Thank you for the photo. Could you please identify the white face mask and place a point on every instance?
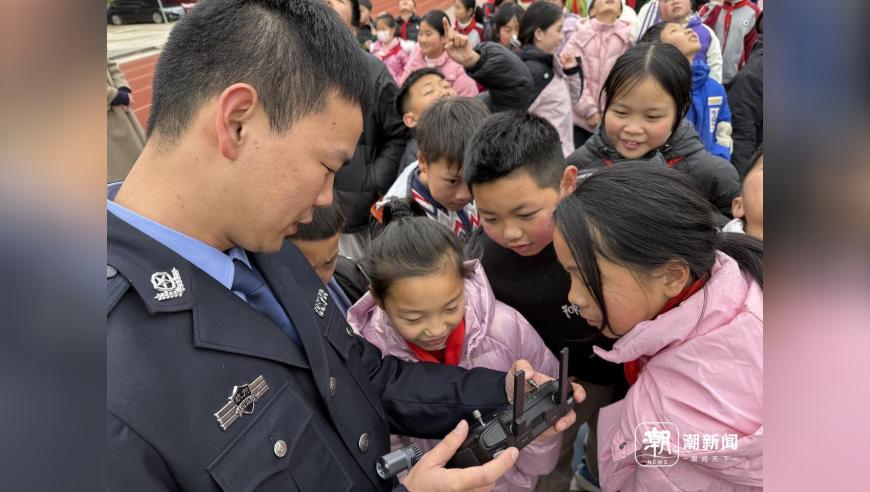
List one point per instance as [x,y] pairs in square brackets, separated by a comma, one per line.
[384,36]
[515,41]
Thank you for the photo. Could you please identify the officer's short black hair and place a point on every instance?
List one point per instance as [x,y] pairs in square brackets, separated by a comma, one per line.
[512,140]
[295,53]
[753,163]
[446,126]
[404,95]
[327,223]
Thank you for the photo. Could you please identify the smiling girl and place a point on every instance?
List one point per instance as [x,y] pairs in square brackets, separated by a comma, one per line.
[646,97]
[430,53]
[426,305]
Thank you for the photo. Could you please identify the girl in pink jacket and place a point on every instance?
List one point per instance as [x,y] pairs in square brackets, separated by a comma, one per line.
[649,268]
[598,41]
[425,304]
[557,83]
[430,53]
[387,48]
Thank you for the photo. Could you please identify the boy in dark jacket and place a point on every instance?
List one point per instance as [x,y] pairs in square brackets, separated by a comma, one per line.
[407,22]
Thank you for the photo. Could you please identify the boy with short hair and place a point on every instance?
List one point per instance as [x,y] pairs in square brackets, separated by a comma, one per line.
[517,174]
[435,180]
[318,242]
[748,206]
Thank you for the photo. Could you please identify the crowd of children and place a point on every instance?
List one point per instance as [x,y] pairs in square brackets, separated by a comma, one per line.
[570,179]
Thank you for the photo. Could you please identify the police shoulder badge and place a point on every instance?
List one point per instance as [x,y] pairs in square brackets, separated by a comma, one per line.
[241,402]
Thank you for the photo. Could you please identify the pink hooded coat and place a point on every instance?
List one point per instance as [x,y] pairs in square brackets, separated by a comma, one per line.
[702,371]
[452,71]
[395,62]
[495,337]
[598,45]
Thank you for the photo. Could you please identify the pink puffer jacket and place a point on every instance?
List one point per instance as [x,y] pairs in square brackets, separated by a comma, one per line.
[452,71]
[496,336]
[702,375]
[598,45]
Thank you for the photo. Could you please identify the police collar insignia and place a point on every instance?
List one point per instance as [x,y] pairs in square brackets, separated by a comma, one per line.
[241,402]
[321,302]
[168,286]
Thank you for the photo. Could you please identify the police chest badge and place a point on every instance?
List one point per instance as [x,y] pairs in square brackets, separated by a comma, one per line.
[241,402]
[167,286]
[321,302]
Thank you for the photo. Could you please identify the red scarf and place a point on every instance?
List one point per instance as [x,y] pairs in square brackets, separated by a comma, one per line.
[392,52]
[465,30]
[450,354]
[632,368]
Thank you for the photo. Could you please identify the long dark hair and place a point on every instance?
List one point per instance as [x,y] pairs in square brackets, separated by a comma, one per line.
[642,216]
[476,12]
[664,63]
[410,246]
[540,15]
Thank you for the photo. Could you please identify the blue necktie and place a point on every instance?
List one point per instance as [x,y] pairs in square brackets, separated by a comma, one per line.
[260,297]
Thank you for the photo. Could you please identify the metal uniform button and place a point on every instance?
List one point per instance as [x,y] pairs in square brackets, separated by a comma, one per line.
[280,448]
[110,271]
[621,446]
[364,442]
[349,330]
[333,386]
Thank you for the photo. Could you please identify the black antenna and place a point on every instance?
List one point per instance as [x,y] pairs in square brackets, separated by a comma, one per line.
[563,375]
[519,422]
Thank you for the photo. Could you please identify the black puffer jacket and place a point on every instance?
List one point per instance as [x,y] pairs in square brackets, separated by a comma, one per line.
[375,164]
[504,75]
[715,177]
[746,99]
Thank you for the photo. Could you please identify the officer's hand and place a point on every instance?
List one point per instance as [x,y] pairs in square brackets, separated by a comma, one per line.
[429,473]
[563,423]
[457,46]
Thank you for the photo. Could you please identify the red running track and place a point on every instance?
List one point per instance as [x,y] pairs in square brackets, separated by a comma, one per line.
[140,73]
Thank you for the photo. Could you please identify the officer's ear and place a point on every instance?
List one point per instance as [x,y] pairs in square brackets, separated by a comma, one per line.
[236,108]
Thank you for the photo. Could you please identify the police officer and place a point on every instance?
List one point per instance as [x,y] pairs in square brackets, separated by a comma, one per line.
[229,367]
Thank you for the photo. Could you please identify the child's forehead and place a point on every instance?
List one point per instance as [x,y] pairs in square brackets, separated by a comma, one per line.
[426,81]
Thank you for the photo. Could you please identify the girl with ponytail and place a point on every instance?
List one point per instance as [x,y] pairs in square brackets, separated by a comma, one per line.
[649,267]
[425,304]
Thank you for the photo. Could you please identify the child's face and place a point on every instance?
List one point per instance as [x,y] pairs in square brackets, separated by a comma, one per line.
[675,10]
[406,6]
[462,14]
[365,15]
[641,119]
[517,213]
[445,182]
[321,255]
[548,40]
[385,32]
[507,32]
[749,206]
[606,8]
[424,92]
[425,310]
[630,297]
[684,38]
[430,41]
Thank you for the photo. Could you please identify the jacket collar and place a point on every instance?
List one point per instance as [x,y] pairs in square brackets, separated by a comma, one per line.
[714,306]
[221,320]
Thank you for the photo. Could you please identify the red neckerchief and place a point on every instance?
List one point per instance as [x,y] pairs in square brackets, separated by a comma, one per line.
[404,30]
[464,31]
[632,368]
[392,52]
[450,354]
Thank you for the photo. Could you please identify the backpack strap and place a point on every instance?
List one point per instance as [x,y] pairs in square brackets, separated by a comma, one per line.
[117,286]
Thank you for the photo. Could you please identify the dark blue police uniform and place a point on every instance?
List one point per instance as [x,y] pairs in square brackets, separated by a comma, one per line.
[173,362]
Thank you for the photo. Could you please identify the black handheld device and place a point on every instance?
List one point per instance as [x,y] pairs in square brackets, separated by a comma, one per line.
[519,423]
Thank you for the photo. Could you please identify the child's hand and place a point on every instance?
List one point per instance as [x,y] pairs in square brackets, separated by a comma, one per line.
[568,62]
[563,423]
[457,46]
